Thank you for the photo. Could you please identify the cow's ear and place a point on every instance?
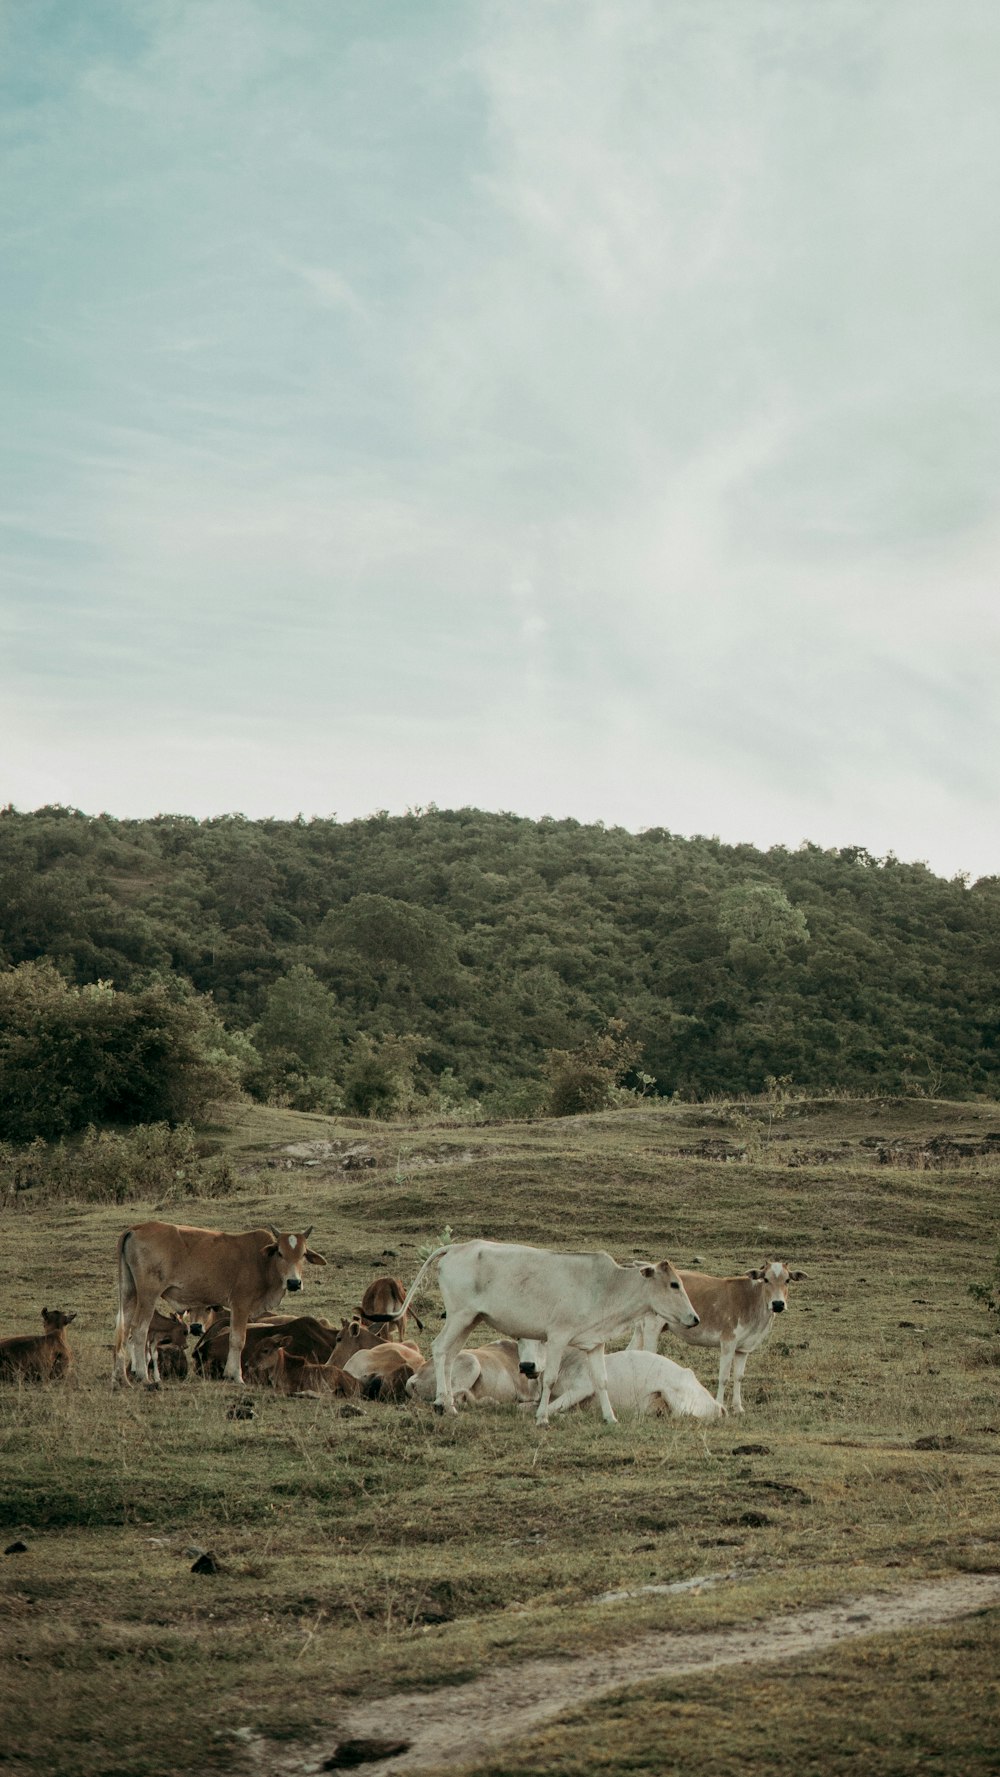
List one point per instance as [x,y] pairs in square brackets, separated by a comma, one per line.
[797,1276]
[756,1275]
[70,1317]
[270,1252]
[314,1258]
[648,1270]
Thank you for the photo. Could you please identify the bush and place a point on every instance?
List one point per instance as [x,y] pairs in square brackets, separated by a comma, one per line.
[75,1056]
[107,1166]
[585,1079]
[379,1077]
[988,1293]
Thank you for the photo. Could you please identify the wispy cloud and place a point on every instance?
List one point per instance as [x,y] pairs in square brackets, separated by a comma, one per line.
[576,409]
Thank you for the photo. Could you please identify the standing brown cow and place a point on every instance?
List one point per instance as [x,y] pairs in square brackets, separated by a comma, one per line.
[735,1315]
[197,1268]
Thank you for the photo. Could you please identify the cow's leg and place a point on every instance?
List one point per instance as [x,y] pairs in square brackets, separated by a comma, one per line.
[444,1350]
[137,1339]
[581,1391]
[154,1363]
[555,1351]
[647,1333]
[726,1355]
[599,1372]
[739,1365]
[119,1375]
[237,1340]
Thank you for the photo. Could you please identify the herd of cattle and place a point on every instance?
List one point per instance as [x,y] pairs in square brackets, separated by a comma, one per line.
[557,1313]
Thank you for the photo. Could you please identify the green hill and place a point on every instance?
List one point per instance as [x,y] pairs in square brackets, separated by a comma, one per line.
[438,958]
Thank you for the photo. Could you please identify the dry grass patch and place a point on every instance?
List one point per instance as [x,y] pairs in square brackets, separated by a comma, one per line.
[362,1554]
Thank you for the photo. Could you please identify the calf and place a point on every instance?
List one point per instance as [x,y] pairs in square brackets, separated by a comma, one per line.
[38,1357]
[385,1370]
[292,1375]
[638,1382]
[166,1346]
[198,1268]
[484,1373]
[579,1300]
[301,1334]
[735,1315]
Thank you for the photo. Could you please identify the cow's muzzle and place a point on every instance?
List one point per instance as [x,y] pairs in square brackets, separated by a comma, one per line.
[529,1370]
[293,1284]
[777,1307]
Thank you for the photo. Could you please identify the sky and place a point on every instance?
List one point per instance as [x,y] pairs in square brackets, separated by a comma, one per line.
[572,407]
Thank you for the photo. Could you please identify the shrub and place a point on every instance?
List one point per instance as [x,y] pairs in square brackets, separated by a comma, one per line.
[75,1056]
[585,1079]
[108,1166]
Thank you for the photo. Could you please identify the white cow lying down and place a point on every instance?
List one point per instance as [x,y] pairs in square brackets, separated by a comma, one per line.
[638,1382]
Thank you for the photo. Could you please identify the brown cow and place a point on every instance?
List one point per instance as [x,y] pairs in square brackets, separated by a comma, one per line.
[384,1371]
[166,1347]
[380,1306]
[302,1333]
[482,1373]
[198,1268]
[290,1375]
[735,1315]
[301,1336]
[38,1357]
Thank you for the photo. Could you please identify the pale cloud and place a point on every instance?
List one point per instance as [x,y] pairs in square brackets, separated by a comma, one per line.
[576,409]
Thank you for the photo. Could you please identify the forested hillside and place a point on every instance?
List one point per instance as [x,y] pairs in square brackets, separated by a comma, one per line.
[443,955]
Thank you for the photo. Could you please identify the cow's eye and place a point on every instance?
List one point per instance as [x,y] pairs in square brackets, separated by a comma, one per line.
[675,1286]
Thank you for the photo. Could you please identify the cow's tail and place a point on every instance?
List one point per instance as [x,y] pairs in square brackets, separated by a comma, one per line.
[411,1292]
[127,1294]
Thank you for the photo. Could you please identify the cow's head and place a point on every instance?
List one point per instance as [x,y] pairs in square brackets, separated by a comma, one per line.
[353,1336]
[668,1297]
[54,1319]
[530,1357]
[286,1256]
[776,1280]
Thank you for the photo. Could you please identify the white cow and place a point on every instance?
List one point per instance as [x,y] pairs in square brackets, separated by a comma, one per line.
[735,1314]
[578,1300]
[638,1382]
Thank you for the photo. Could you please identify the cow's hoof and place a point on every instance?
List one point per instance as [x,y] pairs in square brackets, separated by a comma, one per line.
[152,1388]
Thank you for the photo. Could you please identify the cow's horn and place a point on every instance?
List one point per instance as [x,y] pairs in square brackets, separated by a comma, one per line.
[274,1230]
[307,1231]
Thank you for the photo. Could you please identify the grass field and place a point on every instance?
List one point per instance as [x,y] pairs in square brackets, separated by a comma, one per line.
[365,1554]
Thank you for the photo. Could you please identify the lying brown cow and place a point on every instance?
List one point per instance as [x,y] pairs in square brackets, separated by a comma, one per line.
[198,1268]
[301,1336]
[297,1375]
[380,1305]
[482,1373]
[38,1357]
[385,1370]
[304,1334]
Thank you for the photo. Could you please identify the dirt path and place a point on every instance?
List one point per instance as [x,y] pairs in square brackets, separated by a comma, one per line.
[468,1723]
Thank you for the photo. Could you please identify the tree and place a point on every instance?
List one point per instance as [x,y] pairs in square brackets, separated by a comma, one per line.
[583,1079]
[72,1056]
